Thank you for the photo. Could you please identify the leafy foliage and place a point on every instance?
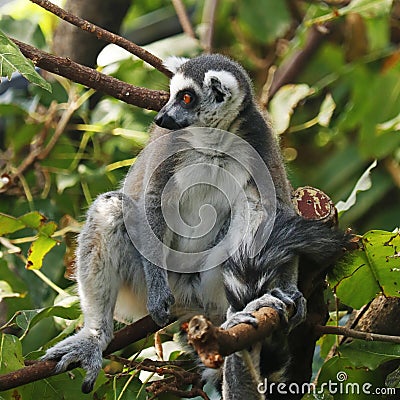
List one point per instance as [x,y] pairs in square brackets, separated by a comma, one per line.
[11,60]
[375,268]
[59,150]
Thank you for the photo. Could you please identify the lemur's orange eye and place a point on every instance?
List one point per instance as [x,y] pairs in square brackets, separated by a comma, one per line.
[187,98]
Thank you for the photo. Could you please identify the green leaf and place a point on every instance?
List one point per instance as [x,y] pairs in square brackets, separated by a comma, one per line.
[65,386]
[284,102]
[11,360]
[12,60]
[368,354]
[9,224]
[48,228]
[26,319]
[346,380]
[375,269]
[364,183]
[326,111]
[10,354]
[33,219]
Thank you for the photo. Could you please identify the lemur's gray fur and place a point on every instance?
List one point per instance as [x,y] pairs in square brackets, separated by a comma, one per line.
[111,271]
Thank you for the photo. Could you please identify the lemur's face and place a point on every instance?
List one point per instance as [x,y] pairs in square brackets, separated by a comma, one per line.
[213,102]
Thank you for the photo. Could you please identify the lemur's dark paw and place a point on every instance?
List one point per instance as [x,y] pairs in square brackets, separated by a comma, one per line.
[296,306]
[158,306]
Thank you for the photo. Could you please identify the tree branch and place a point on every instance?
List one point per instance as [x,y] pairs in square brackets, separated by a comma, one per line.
[105,35]
[212,343]
[43,369]
[343,331]
[137,96]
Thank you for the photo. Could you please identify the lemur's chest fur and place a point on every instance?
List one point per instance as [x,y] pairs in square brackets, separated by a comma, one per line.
[207,183]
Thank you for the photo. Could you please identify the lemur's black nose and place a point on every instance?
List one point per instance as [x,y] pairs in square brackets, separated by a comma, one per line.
[165,121]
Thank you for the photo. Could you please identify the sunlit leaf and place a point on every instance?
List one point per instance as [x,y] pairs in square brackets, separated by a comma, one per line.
[326,111]
[12,60]
[364,183]
[39,248]
[65,181]
[6,291]
[284,102]
[33,219]
[9,224]
[366,8]
[391,125]
[372,270]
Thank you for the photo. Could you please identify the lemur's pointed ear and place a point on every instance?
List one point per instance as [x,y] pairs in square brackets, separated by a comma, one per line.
[173,63]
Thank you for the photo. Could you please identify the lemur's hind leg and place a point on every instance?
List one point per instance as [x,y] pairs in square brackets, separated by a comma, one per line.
[103,260]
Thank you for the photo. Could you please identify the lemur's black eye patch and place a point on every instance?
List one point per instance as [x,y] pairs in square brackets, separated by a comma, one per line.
[187,98]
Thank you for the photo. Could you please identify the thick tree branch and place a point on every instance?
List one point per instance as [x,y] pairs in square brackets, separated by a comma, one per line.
[212,343]
[105,35]
[137,96]
[355,334]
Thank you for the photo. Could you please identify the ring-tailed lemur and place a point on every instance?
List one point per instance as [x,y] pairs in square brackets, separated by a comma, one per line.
[114,275]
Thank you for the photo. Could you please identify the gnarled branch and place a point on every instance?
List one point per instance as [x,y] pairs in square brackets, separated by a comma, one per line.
[137,96]
[103,34]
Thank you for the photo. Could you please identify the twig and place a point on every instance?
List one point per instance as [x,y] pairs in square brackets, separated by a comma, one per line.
[37,145]
[343,331]
[180,378]
[183,18]
[154,363]
[137,96]
[212,343]
[210,7]
[72,105]
[44,369]
[105,35]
